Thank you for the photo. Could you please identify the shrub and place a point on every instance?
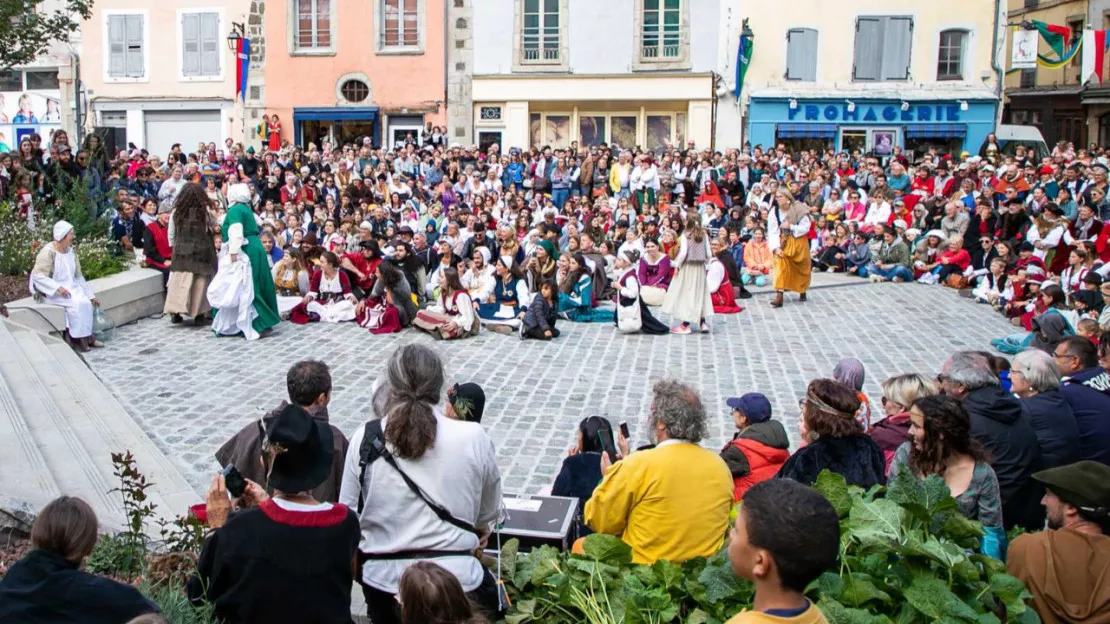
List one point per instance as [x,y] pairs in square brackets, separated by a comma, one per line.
[907,555]
[174,605]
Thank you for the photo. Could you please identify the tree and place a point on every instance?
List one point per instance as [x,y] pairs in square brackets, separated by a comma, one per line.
[27,28]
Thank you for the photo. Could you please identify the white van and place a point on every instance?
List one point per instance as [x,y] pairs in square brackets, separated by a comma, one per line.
[1010,136]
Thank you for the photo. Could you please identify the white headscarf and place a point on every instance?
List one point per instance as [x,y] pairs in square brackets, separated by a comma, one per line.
[485,254]
[239,194]
[61,229]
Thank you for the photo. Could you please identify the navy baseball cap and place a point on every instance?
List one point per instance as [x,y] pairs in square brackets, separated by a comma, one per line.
[753,405]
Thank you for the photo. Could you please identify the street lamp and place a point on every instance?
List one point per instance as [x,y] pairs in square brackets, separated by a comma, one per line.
[236,34]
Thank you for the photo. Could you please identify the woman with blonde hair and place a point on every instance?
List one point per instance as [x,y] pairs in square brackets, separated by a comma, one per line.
[688,298]
[788,226]
[899,393]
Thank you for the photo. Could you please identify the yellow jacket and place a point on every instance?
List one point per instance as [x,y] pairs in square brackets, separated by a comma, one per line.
[812,615]
[670,502]
[615,176]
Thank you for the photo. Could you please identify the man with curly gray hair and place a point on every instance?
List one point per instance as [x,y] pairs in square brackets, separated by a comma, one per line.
[671,501]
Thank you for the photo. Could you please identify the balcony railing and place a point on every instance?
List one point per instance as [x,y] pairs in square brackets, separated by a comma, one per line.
[657,51]
[536,55]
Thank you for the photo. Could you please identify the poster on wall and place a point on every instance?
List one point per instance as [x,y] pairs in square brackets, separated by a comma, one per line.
[23,113]
[1024,53]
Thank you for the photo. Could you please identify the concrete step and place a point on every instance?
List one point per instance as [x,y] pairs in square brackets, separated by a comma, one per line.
[70,425]
[29,479]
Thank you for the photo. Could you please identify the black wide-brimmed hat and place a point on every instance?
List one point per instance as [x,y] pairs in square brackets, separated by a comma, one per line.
[305,448]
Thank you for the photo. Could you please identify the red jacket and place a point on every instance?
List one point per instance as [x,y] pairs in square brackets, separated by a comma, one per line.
[755,455]
[161,251]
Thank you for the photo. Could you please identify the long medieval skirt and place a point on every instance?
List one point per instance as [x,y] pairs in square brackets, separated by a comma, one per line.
[792,268]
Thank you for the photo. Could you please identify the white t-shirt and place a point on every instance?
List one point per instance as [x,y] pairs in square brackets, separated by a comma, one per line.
[459,473]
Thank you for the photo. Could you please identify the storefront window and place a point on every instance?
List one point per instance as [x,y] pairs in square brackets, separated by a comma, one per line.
[795,145]
[919,146]
[1104,129]
[624,131]
[660,133]
[852,140]
[592,129]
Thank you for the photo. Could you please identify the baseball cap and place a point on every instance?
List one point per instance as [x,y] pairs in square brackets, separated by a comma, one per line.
[753,405]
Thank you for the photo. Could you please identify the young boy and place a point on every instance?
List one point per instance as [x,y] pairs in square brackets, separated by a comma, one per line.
[785,536]
[759,448]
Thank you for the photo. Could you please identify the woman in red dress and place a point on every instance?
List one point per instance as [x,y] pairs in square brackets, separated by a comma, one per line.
[273,130]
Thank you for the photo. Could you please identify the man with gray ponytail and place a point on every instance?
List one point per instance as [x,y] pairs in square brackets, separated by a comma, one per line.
[427,487]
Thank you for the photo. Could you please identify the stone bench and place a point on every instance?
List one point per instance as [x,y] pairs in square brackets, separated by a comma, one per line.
[126,297]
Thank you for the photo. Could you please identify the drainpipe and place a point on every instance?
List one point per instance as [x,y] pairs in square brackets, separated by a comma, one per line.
[713,113]
[998,70]
[446,68]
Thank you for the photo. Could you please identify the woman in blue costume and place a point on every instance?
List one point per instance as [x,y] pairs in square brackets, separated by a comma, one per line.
[576,294]
[240,236]
[510,298]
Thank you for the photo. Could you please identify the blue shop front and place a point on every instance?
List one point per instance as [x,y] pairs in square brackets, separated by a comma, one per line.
[871,125]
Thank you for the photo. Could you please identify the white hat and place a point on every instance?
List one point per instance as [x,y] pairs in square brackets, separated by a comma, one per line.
[899,224]
[239,194]
[61,229]
[365,225]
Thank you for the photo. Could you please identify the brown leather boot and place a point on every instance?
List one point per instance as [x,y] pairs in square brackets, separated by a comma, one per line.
[777,302]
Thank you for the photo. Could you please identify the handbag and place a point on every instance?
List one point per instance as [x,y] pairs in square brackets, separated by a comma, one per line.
[629,320]
[957,281]
[103,325]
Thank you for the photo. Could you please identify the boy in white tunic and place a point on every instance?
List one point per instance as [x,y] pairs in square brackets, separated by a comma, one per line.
[57,279]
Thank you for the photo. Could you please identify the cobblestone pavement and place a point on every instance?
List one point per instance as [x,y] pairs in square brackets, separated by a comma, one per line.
[191,391]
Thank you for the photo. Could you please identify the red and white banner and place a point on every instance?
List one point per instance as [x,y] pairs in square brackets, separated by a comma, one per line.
[1094,55]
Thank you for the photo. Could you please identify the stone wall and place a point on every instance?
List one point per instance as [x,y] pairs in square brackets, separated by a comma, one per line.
[460,71]
[256,76]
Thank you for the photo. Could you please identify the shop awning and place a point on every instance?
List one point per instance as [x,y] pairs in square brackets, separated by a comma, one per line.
[805,131]
[936,131]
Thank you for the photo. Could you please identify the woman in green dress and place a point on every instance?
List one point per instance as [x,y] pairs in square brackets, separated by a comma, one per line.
[240,236]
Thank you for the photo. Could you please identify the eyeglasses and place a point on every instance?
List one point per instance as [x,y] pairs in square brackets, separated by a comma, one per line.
[1063,355]
[942,378]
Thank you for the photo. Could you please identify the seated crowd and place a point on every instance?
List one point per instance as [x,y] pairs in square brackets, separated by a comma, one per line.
[407,505]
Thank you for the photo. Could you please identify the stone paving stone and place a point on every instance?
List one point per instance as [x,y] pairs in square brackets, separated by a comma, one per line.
[191,391]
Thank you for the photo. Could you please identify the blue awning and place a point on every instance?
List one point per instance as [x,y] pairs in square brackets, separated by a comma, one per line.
[936,131]
[805,131]
[336,113]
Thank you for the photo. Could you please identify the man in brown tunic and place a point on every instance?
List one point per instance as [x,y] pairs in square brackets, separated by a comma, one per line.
[1067,566]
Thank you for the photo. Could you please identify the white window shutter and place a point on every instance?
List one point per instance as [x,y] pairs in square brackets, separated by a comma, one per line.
[134,41]
[209,44]
[190,39]
[801,54]
[868,48]
[117,47]
[897,41]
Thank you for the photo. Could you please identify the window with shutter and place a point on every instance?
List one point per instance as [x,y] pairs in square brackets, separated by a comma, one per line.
[210,44]
[133,31]
[190,44]
[867,62]
[897,39]
[882,48]
[117,47]
[801,54]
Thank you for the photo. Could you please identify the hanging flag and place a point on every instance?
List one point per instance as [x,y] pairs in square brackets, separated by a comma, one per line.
[1057,37]
[1094,54]
[242,66]
[743,58]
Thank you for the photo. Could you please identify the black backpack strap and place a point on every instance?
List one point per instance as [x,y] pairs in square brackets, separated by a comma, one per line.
[372,448]
[369,451]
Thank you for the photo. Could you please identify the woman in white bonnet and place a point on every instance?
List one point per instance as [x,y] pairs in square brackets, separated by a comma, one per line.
[57,279]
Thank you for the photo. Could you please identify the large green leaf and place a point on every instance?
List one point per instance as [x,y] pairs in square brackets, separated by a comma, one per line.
[697,616]
[876,524]
[607,548]
[1011,591]
[837,613]
[835,488]
[860,589]
[934,600]
[946,554]
[667,573]
[719,580]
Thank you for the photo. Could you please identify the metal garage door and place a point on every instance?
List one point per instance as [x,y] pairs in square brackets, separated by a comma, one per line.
[164,128]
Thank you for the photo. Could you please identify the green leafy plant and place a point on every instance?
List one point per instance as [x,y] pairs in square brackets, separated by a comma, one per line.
[114,555]
[907,555]
[137,508]
[174,604]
